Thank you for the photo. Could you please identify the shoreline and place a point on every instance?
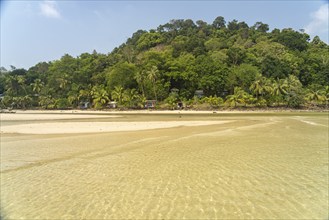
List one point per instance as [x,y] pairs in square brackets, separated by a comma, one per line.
[157,111]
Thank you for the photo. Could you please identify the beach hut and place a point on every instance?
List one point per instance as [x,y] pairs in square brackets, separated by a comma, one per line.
[112,104]
[150,103]
[199,93]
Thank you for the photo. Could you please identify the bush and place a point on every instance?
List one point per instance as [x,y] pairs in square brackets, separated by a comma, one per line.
[172,100]
[214,102]
[62,103]
[295,99]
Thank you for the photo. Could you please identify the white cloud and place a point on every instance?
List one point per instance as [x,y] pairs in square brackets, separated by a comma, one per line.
[49,9]
[319,22]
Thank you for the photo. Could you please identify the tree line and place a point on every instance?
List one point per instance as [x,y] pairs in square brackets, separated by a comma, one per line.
[233,64]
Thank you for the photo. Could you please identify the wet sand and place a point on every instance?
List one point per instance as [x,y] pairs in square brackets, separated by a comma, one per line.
[250,166]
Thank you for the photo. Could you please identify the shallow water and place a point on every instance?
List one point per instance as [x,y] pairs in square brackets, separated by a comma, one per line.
[264,166]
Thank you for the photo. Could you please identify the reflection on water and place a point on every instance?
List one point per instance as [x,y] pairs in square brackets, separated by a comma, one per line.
[260,167]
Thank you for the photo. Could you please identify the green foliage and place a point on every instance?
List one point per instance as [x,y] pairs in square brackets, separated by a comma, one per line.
[62,103]
[295,99]
[47,102]
[131,98]
[213,101]
[148,40]
[117,94]
[226,60]
[122,74]
[100,96]
[293,39]
[243,76]
[219,22]
[172,100]
[239,97]
[235,55]
[260,87]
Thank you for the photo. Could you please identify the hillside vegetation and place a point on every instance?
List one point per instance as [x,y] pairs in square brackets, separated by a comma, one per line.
[232,63]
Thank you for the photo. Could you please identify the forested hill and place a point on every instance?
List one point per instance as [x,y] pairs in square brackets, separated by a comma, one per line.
[234,64]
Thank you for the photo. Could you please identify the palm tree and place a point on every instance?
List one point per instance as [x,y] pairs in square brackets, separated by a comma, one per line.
[46,101]
[130,97]
[293,83]
[152,75]
[100,97]
[25,101]
[139,77]
[63,81]
[141,100]
[37,86]
[117,94]
[86,94]
[325,93]
[279,89]
[260,86]
[315,96]
[239,97]
[22,85]
[12,84]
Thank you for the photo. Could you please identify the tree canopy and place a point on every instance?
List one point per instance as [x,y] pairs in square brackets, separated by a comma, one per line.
[226,60]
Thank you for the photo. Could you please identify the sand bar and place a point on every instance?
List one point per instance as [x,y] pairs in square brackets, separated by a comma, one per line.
[33,117]
[96,127]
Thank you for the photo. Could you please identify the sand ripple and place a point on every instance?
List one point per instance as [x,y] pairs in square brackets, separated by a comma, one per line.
[262,168]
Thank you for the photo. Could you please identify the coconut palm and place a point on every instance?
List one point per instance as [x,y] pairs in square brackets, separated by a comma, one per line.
[279,89]
[325,93]
[21,101]
[26,101]
[152,75]
[37,86]
[86,93]
[260,86]
[12,84]
[117,94]
[315,96]
[141,101]
[130,97]
[22,85]
[293,83]
[238,97]
[46,101]
[100,97]
[139,77]
[63,81]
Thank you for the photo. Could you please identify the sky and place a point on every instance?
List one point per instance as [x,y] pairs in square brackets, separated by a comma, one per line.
[37,31]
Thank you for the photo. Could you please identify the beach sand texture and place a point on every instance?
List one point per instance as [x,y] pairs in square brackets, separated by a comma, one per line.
[226,167]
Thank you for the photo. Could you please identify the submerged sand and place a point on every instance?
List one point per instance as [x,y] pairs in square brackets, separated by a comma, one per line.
[254,167]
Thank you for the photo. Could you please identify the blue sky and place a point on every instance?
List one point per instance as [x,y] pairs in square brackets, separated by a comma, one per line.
[35,31]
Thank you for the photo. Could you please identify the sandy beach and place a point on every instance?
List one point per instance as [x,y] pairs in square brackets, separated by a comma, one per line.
[163,166]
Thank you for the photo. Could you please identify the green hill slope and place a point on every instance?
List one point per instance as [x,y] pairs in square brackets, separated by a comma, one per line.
[230,63]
